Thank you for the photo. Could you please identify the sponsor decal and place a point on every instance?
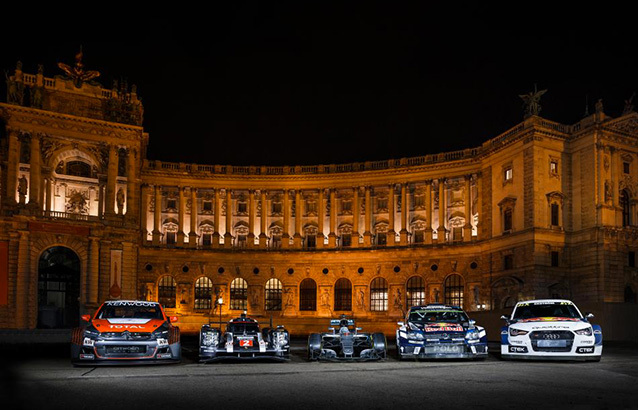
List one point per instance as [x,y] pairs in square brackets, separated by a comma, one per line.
[549,327]
[130,303]
[585,349]
[518,349]
[126,327]
[443,327]
[245,342]
[550,319]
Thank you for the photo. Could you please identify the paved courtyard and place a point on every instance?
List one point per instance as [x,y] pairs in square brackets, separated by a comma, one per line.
[48,380]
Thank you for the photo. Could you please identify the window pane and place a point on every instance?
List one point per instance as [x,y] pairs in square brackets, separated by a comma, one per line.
[166,290]
[454,290]
[308,295]
[379,295]
[343,294]
[415,291]
[203,290]
[273,294]
[238,294]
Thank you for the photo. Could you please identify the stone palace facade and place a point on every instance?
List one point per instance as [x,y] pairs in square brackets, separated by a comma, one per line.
[542,210]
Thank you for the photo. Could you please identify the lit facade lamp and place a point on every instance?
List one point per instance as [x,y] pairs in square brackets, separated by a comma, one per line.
[219,302]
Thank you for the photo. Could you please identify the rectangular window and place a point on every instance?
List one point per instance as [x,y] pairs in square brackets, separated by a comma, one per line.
[382,238]
[171,203]
[170,238]
[554,257]
[346,240]
[419,237]
[507,174]
[207,239]
[276,208]
[346,207]
[207,206]
[419,201]
[311,241]
[382,204]
[553,167]
[554,217]
[507,221]
[508,262]
[631,259]
[311,207]
[625,167]
[242,208]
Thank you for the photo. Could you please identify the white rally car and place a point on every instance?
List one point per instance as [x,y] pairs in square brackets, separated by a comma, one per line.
[550,329]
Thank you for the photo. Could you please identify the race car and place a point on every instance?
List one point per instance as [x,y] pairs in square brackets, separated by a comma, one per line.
[126,332]
[243,340]
[550,329]
[344,342]
[438,331]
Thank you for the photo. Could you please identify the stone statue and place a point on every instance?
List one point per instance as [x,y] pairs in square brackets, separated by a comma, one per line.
[120,201]
[290,297]
[476,295]
[629,106]
[22,188]
[531,102]
[608,194]
[325,299]
[77,73]
[36,97]
[436,295]
[398,299]
[254,298]
[361,299]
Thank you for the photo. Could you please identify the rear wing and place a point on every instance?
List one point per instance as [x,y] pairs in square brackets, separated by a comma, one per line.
[337,322]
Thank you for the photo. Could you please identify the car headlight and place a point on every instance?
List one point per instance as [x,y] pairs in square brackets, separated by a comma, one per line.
[584,332]
[472,335]
[517,332]
[280,339]
[161,334]
[414,335]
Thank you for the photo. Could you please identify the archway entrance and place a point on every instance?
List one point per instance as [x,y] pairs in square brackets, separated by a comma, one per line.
[58,288]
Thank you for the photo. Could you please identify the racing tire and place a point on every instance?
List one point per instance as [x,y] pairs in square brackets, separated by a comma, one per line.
[314,346]
[380,344]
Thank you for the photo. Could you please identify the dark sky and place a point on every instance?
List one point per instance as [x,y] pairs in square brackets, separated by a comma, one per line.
[276,83]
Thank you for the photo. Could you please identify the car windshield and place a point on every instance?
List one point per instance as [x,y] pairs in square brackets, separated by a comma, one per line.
[242,328]
[433,316]
[130,312]
[553,309]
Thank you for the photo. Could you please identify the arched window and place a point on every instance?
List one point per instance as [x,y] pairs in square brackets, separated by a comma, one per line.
[238,294]
[624,204]
[308,295]
[203,291]
[166,290]
[273,294]
[415,291]
[78,169]
[453,290]
[379,295]
[343,294]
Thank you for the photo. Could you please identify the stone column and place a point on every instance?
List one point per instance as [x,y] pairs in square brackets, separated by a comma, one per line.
[263,220]
[391,235]
[144,211]
[131,186]
[367,235]
[404,214]
[429,211]
[251,219]
[192,235]
[298,217]
[228,236]
[13,167]
[181,210]
[479,203]
[47,194]
[111,182]
[356,212]
[157,215]
[285,236]
[35,172]
[22,281]
[100,195]
[216,218]
[321,214]
[332,236]
[442,211]
[467,228]
[94,270]
[601,173]
[614,176]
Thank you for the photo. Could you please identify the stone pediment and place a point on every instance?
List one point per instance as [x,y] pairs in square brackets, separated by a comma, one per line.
[627,124]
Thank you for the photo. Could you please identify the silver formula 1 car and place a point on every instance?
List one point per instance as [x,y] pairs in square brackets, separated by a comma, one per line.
[243,340]
[344,342]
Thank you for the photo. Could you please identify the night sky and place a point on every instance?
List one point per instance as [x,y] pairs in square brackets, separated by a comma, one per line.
[276,83]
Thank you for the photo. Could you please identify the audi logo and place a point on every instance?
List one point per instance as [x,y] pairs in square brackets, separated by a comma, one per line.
[551,336]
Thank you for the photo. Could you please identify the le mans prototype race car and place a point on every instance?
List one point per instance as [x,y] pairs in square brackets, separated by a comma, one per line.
[439,331]
[344,342]
[243,340]
[550,329]
[126,332]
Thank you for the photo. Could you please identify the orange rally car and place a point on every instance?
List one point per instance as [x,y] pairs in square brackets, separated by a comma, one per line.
[126,332]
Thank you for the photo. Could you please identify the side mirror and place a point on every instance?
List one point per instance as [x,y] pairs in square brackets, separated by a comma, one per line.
[173,319]
[589,315]
[401,323]
[86,318]
[503,317]
[472,322]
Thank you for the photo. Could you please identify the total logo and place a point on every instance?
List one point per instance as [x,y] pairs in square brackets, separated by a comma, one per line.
[126,327]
